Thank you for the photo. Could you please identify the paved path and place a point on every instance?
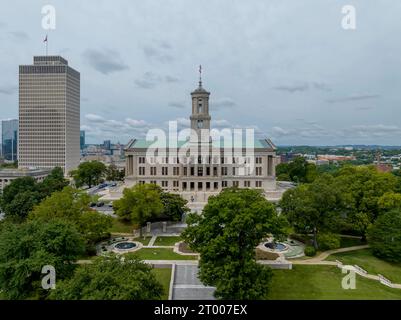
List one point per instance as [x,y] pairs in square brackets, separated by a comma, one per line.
[152,241]
[319,259]
[186,284]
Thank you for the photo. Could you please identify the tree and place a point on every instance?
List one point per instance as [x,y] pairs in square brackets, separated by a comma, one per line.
[313,208]
[111,278]
[384,236]
[139,204]
[22,194]
[19,197]
[55,181]
[114,174]
[73,205]
[389,201]
[233,223]
[89,173]
[25,248]
[298,170]
[174,206]
[361,188]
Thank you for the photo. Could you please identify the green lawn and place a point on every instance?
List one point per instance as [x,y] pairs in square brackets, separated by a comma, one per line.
[366,260]
[143,240]
[167,241]
[163,275]
[324,283]
[121,227]
[160,254]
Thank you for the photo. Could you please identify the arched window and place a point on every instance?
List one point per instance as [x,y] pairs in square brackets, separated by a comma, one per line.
[200,106]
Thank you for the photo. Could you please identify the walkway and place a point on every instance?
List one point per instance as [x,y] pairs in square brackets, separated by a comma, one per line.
[187,286]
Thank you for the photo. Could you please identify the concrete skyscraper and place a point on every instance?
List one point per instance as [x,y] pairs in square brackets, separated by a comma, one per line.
[49,114]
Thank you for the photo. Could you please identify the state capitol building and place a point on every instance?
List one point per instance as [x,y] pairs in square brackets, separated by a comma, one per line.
[202,165]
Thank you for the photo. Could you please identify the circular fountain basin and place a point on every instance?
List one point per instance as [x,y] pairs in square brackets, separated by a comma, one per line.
[126,245]
[276,246]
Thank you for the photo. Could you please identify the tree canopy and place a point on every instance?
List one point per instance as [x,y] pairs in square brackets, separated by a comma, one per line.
[233,223]
[110,278]
[298,170]
[89,173]
[25,248]
[73,205]
[384,236]
[22,194]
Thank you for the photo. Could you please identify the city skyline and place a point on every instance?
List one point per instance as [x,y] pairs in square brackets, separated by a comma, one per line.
[315,83]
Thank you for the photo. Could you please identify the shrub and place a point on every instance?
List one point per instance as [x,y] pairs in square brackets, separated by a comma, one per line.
[328,241]
[310,251]
[384,236]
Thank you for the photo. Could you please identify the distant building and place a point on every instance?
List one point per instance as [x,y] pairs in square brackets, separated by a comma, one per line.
[9,139]
[82,139]
[49,114]
[332,157]
[107,145]
[384,167]
[8,175]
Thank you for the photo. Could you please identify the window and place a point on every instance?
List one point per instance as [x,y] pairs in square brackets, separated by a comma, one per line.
[215,171]
[258,160]
[258,171]
[215,185]
[200,171]
[176,184]
[235,184]
[247,184]
[192,171]
[152,171]
[164,184]
[223,171]
[207,185]
[141,171]
[234,171]
[141,159]
[208,171]
[164,171]
[184,186]
[258,184]
[176,171]
[224,184]
[185,171]
[200,185]
[200,124]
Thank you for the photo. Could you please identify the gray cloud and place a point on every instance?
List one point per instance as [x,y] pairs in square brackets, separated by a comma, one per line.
[105,61]
[223,103]
[159,52]
[293,88]
[178,105]
[8,90]
[354,98]
[150,80]
[19,35]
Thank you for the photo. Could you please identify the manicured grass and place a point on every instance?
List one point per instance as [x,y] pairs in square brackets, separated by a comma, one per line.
[143,240]
[160,254]
[324,283]
[121,227]
[163,275]
[366,260]
[167,241]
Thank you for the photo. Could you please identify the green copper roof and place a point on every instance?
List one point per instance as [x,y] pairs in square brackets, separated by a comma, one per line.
[258,144]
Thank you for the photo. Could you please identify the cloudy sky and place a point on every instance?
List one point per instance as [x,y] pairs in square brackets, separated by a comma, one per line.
[284,67]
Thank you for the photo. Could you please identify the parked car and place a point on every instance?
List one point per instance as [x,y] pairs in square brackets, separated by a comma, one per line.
[92,204]
[114,184]
[100,204]
[110,204]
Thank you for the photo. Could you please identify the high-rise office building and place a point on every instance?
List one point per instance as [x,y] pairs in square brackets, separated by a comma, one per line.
[82,139]
[107,144]
[9,138]
[49,114]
